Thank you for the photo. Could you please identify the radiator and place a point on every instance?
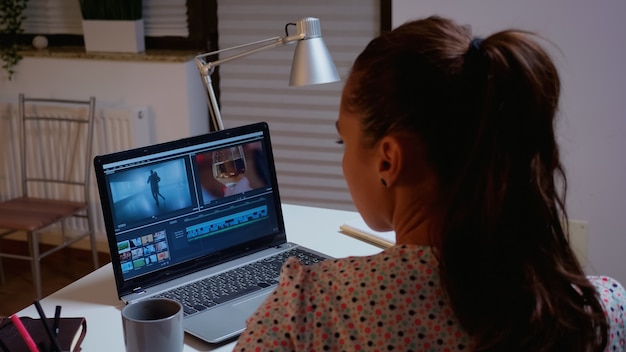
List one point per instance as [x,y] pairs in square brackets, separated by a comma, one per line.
[115,129]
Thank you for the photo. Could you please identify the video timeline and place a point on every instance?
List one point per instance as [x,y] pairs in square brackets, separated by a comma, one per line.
[218,225]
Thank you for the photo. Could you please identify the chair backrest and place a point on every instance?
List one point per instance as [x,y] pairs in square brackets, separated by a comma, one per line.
[56,147]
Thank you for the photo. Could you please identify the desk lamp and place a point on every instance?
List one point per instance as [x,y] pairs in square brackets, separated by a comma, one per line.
[312,63]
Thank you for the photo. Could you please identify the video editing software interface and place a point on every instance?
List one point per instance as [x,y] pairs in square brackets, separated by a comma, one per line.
[179,205]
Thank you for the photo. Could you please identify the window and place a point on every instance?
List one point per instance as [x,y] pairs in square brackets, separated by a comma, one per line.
[169,24]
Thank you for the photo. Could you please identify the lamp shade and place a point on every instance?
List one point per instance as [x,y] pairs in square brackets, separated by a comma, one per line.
[312,63]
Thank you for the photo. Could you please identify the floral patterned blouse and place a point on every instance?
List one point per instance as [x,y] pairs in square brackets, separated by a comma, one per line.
[391,301]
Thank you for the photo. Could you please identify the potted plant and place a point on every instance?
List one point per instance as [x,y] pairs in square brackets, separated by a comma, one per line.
[11,18]
[113,25]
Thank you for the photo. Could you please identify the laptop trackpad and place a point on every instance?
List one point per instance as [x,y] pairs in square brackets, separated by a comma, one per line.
[222,323]
[250,305]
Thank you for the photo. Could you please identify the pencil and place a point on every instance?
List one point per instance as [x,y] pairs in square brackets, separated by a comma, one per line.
[57,319]
[32,346]
[44,321]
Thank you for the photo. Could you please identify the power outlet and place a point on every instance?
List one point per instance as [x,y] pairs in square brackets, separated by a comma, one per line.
[579,239]
[141,127]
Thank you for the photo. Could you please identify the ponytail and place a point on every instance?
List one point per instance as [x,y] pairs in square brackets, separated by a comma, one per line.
[513,280]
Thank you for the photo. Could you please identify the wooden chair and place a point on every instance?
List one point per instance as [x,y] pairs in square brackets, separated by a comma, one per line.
[55,156]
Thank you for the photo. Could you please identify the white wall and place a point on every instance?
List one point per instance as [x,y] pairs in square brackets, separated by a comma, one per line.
[171,91]
[589,52]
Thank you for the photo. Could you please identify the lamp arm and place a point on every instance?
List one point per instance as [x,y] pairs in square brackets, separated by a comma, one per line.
[206,68]
[274,42]
[214,109]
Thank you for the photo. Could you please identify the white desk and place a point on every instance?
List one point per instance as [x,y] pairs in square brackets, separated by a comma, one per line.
[95,298]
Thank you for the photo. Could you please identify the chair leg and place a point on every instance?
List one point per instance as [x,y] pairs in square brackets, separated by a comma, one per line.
[94,251]
[2,278]
[33,241]
[94,245]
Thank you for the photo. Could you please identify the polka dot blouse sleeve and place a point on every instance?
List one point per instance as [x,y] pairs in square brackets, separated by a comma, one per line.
[613,298]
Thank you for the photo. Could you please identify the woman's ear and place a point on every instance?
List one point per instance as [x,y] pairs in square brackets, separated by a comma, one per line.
[390,159]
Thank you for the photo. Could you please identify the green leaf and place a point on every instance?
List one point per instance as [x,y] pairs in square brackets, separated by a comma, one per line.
[11,19]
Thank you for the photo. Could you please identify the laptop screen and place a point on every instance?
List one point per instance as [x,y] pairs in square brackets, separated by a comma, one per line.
[179,206]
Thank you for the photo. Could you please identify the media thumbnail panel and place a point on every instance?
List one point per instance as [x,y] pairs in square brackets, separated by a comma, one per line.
[143,252]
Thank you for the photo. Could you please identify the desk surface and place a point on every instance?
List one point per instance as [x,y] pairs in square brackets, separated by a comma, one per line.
[95,298]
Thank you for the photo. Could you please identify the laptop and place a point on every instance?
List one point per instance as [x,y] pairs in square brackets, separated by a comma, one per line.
[198,220]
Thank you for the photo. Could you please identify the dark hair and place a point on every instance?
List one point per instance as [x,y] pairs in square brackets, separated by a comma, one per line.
[484,113]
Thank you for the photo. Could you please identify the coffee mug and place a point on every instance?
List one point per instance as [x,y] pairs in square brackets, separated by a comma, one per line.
[154,324]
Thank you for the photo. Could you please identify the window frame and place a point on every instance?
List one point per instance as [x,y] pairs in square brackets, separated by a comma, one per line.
[202,24]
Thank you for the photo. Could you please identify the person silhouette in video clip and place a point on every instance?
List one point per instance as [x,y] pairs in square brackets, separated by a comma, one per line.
[154,180]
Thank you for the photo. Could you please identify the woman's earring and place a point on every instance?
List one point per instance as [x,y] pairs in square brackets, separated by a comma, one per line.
[382,180]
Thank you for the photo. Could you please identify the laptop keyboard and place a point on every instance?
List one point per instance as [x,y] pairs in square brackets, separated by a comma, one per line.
[235,283]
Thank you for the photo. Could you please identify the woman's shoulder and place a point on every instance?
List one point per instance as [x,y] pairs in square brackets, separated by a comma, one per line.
[606,284]
[400,259]
[612,293]
[613,297]
[394,254]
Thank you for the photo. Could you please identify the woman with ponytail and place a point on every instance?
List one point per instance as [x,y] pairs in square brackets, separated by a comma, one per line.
[449,141]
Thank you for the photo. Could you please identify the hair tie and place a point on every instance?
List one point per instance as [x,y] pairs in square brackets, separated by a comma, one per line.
[474,58]
[475,44]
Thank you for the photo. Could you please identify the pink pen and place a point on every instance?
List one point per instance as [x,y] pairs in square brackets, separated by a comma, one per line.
[24,333]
